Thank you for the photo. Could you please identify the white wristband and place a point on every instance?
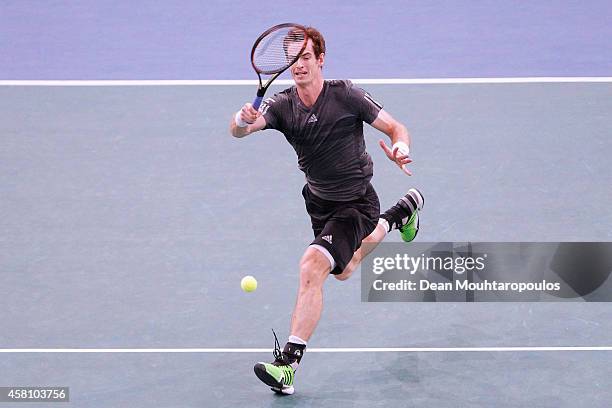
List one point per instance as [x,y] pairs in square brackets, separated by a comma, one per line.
[402,148]
[239,122]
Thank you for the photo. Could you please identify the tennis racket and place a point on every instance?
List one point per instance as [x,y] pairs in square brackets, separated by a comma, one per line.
[274,51]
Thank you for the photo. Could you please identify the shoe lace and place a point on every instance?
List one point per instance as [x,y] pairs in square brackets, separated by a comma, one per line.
[278,355]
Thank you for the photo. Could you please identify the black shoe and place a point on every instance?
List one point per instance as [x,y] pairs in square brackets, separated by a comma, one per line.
[402,213]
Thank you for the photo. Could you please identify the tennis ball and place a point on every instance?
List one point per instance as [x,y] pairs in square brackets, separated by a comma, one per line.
[248,283]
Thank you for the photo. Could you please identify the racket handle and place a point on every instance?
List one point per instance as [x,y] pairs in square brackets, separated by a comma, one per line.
[257,102]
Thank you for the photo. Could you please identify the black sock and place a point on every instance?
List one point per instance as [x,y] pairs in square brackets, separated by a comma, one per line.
[400,213]
[293,352]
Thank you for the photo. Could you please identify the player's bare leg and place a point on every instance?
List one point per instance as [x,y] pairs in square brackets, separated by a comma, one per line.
[279,375]
[314,269]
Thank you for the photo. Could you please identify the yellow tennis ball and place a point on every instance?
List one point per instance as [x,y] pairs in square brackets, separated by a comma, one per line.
[248,283]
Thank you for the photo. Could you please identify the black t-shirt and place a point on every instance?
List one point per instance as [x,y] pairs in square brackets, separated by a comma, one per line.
[327,137]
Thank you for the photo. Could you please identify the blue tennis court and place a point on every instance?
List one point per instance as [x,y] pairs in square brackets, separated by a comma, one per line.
[129,214]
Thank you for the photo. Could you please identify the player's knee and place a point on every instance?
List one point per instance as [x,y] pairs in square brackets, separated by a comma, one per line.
[308,275]
[312,271]
[346,273]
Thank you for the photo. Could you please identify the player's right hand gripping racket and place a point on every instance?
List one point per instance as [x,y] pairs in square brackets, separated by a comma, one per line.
[274,51]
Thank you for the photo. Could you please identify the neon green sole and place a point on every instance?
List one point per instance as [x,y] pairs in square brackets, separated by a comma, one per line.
[410,230]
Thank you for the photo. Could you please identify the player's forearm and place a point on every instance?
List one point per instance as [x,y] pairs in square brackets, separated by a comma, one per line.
[392,128]
[246,121]
[238,131]
[399,133]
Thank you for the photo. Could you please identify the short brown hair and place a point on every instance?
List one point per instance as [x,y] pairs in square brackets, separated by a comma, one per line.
[318,42]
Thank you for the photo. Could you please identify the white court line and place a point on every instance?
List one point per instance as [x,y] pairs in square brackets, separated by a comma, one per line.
[310,350]
[253,82]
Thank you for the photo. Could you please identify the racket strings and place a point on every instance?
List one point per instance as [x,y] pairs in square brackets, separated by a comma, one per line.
[278,49]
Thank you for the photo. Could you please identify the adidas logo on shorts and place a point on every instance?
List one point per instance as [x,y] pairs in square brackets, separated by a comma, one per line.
[327,238]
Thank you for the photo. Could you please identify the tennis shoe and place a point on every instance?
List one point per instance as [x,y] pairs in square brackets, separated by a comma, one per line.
[280,374]
[404,216]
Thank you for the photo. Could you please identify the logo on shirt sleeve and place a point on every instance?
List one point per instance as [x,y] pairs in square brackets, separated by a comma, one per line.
[265,105]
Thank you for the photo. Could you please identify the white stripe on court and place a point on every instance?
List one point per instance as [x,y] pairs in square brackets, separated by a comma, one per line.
[310,350]
[253,82]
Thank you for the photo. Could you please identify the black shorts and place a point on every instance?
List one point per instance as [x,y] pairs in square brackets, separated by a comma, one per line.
[340,227]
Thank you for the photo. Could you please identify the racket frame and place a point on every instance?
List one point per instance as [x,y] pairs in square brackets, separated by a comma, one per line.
[261,90]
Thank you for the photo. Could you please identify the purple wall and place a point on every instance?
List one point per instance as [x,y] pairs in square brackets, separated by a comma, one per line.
[374,39]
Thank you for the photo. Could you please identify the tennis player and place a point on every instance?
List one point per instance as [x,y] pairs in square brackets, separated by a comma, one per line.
[323,121]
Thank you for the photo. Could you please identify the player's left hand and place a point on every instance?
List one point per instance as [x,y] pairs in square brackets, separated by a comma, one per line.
[396,156]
